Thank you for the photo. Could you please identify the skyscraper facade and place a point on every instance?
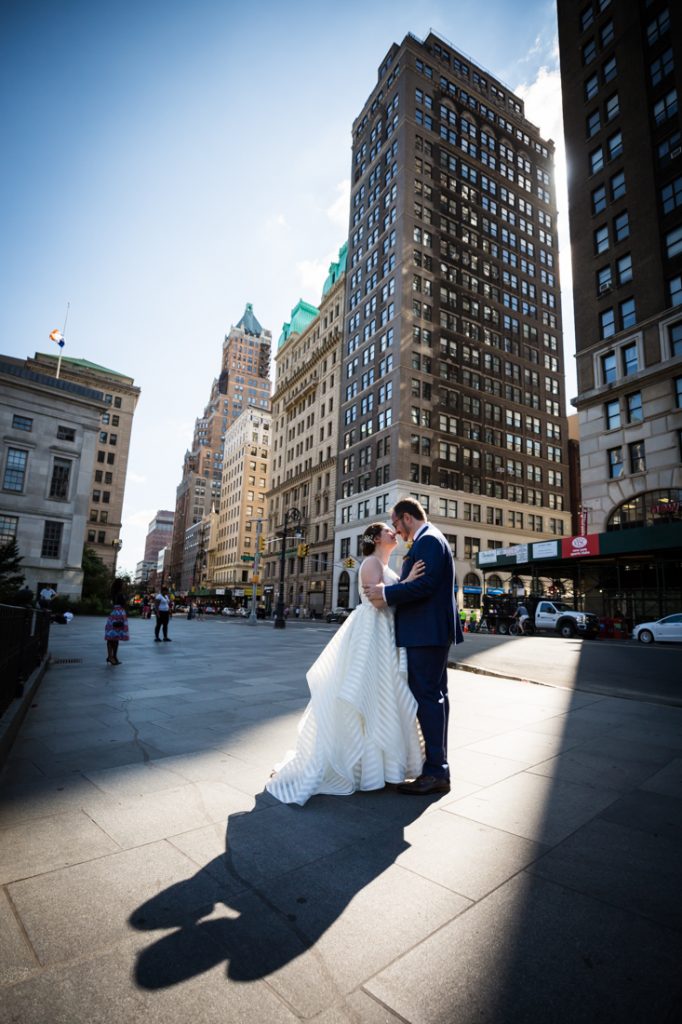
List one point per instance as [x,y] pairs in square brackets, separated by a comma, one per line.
[243,383]
[452,375]
[621,71]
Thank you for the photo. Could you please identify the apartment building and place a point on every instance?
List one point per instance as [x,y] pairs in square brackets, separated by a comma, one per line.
[305,410]
[243,383]
[621,71]
[452,377]
[246,469]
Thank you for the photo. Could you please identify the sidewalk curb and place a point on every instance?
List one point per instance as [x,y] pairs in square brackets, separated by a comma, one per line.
[11,721]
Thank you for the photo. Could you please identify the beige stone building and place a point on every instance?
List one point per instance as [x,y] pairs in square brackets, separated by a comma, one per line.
[243,383]
[305,443]
[246,468]
[113,446]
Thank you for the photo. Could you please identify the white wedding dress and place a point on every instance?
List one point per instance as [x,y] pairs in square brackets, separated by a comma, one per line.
[359,729]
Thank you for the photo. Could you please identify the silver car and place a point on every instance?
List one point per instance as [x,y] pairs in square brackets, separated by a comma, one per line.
[668,628]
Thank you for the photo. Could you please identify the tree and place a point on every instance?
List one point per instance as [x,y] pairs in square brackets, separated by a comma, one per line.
[96,580]
[10,576]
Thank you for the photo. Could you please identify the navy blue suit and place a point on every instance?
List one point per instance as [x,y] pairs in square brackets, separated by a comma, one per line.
[426,624]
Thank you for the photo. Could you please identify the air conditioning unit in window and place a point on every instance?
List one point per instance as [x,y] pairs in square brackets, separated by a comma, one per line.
[675,152]
[605,287]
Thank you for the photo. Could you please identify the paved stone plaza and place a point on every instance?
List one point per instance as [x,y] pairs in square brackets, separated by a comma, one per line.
[146,875]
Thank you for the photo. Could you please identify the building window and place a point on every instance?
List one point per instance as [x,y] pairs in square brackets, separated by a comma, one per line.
[593,123]
[66,433]
[608,367]
[628,317]
[609,70]
[607,323]
[612,107]
[596,160]
[615,145]
[678,392]
[676,339]
[591,87]
[472,547]
[606,34]
[52,539]
[615,456]
[22,423]
[604,280]
[637,457]
[601,239]
[666,107]
[668,149]
[117,402]
[675,289]
[662,66]
[624,268]
[599,199]
[618,188]
[673,242]
[634,404]
[612,414]
[621,226]
[91,536]
[586,19]
[658,27]
[15,470]
[589,51]
[61,474]
[8,528]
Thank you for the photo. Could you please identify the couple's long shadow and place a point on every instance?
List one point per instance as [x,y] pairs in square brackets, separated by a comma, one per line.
[286,875]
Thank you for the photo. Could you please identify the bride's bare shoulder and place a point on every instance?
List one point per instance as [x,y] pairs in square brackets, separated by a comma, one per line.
[372,570]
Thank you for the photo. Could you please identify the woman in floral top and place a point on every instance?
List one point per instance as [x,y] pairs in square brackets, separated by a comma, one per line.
[116,628]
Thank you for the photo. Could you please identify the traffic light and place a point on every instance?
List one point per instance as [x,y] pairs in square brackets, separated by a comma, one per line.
[349,563]
[302,550]
[261,543]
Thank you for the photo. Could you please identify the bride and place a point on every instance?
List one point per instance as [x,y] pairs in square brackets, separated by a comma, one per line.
[359,729]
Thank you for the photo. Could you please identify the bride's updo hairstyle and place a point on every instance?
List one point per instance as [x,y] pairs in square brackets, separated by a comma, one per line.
[370,538]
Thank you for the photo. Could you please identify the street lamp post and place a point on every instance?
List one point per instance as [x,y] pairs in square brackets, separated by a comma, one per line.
[116,545]
[291,515]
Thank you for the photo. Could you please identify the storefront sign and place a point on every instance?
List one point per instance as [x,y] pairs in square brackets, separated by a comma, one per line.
[546,549]
[575,547]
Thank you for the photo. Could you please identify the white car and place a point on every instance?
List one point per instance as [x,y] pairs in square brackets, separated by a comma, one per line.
[667,628]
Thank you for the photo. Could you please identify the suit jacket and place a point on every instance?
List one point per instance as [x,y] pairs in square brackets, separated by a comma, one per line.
[425,613]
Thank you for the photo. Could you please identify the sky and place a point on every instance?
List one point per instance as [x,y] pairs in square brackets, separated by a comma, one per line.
[167,161]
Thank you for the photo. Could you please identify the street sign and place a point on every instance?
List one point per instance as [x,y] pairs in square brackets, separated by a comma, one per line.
[247,558]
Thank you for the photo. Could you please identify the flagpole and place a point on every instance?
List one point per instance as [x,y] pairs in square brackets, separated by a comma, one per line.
[59,361]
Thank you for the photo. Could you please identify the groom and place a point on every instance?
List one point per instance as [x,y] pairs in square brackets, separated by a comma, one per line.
[426,625]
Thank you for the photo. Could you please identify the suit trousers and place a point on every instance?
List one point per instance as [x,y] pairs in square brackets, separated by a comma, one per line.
[427,677]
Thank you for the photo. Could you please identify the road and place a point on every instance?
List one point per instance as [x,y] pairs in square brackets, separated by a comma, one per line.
[617,667]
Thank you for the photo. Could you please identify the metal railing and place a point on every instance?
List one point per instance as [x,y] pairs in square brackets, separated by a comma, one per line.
[24,637]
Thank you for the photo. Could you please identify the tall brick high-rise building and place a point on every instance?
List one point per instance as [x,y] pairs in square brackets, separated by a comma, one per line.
[243,383]
[621,72]
[452,376]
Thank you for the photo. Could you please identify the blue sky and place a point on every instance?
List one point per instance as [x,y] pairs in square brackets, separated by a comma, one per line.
[167,162]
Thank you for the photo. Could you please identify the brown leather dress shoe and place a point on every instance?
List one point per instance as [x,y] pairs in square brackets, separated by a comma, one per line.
[425,785]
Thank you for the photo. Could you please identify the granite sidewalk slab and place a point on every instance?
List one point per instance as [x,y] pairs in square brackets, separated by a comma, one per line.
[145,873]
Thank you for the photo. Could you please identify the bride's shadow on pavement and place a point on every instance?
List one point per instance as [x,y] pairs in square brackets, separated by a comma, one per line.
[286,875]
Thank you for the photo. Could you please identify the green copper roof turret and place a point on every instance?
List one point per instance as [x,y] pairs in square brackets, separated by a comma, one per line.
[302,315]
[336,269]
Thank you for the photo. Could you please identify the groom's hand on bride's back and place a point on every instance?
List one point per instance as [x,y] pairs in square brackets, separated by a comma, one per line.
[375,593]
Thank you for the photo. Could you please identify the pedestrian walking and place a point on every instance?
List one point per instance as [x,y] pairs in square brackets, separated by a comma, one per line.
[116,627]
[162,608]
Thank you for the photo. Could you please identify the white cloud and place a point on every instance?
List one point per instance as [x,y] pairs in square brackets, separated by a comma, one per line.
[312,274]
[141,518]
[338,211]
[277,223]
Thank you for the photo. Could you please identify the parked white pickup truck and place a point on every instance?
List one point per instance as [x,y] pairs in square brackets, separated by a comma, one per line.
[555,617]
